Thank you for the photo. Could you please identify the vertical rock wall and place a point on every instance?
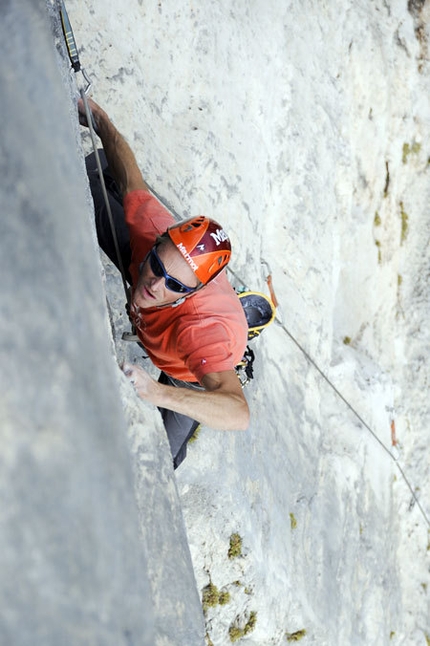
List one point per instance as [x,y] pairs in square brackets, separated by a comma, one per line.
[72,569]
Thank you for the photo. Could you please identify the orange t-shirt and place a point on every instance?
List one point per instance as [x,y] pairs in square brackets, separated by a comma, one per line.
[207,332]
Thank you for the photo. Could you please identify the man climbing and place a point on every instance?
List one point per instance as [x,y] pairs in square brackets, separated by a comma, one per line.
[185,312]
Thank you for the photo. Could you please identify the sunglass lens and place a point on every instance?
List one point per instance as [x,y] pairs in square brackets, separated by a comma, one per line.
[156,268]
[175,286]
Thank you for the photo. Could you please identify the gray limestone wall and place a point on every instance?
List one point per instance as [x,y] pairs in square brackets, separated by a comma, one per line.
[73,559]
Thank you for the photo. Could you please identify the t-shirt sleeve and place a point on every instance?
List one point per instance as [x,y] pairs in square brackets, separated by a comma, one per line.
[216,346]
[146,218]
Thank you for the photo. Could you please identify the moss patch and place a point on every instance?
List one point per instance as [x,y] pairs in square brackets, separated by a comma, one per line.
[224,598]
[195,435]
[212,597]
[378,245]
[407,150]
[235,548]
[236,632]
[377,223]
[295,637]
[405,226]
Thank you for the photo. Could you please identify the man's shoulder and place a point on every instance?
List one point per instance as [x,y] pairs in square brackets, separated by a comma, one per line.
[218,301]
[142,208]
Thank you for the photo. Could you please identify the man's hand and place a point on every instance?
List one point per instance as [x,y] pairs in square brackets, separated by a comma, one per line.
[96,112]
[145,386]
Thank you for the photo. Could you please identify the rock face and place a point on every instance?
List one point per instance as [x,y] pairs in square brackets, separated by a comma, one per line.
[73,565]
[303,128]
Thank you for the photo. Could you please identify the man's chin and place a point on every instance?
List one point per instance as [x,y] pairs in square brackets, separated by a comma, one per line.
[145,302]
[143,298]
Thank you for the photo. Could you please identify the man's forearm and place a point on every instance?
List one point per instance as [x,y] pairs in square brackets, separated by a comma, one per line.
[216,409]
[121,160]
[221,405]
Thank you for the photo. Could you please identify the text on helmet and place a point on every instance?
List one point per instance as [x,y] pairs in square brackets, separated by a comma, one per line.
[219,236]
[187,256]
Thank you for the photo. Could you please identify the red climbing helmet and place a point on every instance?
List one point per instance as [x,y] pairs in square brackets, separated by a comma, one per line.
[204,245]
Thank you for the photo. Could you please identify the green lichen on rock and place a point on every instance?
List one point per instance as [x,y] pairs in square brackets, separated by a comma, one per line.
[235,548]
[405,226]
[410,149]
[378,245]
[224,598]
[296,636]
[195,435]
[236,632]
[377,223]
[250,625]
[212,597]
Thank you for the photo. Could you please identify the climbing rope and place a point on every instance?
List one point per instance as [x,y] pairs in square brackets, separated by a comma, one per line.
[105,195]
[357,415]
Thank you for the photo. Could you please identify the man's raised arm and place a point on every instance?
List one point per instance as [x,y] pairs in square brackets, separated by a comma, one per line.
[121,160]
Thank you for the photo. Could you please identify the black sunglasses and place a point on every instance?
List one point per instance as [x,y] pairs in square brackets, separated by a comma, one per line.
[158,270]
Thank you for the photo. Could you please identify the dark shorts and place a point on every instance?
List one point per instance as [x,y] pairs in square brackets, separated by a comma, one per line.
[179,428]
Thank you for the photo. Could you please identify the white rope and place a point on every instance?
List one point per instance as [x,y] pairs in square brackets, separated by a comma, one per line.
[90,122]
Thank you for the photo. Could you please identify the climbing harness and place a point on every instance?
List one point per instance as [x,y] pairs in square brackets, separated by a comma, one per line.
[245,369]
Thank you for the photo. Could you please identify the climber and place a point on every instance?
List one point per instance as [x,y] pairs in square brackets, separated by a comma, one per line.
[185,312]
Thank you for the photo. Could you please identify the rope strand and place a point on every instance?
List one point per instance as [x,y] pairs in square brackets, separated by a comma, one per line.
[105,195]
[357,415]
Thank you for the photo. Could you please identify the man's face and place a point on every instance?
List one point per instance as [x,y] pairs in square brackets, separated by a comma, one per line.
[151,290]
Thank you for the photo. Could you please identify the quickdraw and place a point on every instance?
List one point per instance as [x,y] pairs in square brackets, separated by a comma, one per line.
[71,45]
[245,369]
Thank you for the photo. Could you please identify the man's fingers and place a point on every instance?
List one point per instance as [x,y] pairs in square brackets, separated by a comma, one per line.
[128,369]
[81,113]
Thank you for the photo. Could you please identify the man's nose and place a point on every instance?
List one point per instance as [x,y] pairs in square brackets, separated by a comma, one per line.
[157,282]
